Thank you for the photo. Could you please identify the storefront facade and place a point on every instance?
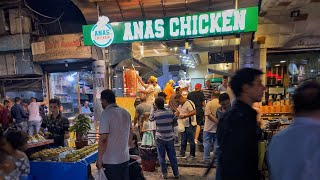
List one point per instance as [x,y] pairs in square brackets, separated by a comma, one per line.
[68,67]
[183,40]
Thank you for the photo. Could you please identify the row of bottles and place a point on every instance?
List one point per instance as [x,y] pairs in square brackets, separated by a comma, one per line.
[278,105]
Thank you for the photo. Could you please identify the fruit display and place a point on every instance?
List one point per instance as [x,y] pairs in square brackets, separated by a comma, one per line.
[49,154]
[36,138]
[64,154]
[80,154]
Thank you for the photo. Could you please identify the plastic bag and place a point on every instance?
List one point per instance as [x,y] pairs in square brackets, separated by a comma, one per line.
[100,175]
[181,127]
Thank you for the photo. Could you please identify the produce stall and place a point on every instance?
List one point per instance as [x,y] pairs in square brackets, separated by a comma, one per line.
[40,143]
[62,163]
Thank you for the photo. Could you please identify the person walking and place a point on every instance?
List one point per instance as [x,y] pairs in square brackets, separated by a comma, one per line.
[141,109]
[34,122]
[173,104]
[115,136]
[197,97]
[225,105]
[165,122]
[238,133]
[207,91]
[186,113]
[223,88]
[19,115]
[5,115]
[210,125]
[293,153]
[168,90]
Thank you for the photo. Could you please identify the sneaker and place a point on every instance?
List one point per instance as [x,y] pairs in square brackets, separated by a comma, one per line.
[182,157]
[192,157]
[177,177]
[164,176]
[206,161]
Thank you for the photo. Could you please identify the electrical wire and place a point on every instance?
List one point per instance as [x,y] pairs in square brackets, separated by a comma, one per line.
[54,20]
[8,2]
[25,3]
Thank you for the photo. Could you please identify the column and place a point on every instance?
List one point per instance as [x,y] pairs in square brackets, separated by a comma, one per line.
[101,81]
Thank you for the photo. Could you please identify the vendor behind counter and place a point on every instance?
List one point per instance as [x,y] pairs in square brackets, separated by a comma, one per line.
[57,126]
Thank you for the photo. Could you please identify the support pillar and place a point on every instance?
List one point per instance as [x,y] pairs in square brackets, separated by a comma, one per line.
[253,58]
[100,69]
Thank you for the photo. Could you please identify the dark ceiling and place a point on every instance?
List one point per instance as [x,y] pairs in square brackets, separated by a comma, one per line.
[125,10]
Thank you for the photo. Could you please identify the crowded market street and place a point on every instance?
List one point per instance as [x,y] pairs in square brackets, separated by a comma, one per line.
[159,89]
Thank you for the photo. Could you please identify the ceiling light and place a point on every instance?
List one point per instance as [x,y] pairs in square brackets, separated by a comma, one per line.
[283,61]
[70,78]
[170,49]
[176,48]
[277,65]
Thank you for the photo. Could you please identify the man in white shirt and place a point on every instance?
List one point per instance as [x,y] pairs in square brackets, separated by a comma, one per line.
[34,122]
[115,136]
[151,89]
[223,88]
[210,125]
[186,112]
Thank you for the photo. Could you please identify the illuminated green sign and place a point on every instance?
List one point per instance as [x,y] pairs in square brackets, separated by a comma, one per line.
[218,23]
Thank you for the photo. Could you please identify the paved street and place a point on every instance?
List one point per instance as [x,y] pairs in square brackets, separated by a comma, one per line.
[188,173]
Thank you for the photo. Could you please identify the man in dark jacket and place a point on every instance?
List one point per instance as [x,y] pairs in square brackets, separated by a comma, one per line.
[19,115]
[238,132]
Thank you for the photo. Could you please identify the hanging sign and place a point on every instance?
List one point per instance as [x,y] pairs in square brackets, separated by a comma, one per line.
[102,34]
[219,23]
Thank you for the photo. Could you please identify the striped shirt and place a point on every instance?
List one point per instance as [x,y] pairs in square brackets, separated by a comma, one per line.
[165,121]
[207,93]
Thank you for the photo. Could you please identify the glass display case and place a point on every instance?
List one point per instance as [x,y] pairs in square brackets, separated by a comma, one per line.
[64,86]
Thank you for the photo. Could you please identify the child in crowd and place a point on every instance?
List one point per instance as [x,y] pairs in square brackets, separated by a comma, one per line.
[12,145]
[148,137]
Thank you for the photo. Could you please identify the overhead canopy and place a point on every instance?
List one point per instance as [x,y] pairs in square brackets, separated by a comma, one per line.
[119,11]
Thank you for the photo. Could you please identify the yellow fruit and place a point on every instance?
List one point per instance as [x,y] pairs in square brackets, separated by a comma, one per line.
[69,155]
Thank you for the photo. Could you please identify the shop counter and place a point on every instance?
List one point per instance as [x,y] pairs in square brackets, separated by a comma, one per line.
[41,170]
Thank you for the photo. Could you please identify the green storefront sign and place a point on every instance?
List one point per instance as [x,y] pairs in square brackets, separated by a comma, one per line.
[218,23]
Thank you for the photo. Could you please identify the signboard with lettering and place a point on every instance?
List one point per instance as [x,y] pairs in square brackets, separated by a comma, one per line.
[218,23]
[303,42]
[69,46]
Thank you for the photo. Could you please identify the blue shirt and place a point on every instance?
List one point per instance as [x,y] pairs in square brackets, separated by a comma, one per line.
[85,110]
[18,113]
[293,153]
